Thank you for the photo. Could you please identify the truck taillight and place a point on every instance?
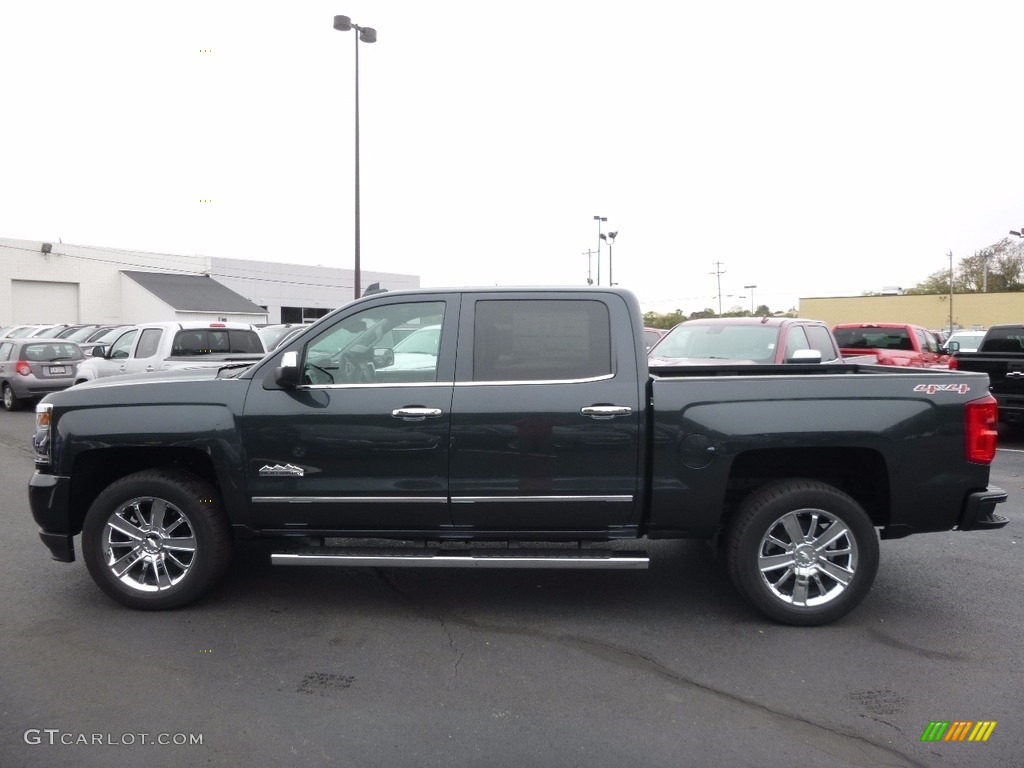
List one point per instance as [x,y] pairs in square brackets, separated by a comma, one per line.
[23,368]
[954,364]
[980,418]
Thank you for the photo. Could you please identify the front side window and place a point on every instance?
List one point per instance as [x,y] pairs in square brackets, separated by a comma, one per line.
[541,340]
[389,343]
[796,340]
[122,346]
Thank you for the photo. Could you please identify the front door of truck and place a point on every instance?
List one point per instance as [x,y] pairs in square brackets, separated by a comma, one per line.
[546,414]
[361,444]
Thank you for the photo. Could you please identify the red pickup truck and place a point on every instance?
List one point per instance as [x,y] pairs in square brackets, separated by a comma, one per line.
[892,344]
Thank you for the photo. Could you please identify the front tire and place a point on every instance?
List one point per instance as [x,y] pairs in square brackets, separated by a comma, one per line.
[803,552]
[156,539]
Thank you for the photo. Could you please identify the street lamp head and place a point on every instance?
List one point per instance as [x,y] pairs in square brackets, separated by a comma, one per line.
[613,235]
[1018,234]
[368,34]
[342,23]
[600,218]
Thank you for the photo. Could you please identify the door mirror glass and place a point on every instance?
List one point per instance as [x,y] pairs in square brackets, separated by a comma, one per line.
[383,357]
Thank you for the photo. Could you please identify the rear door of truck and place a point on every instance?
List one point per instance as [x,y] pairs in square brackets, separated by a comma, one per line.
[546,415]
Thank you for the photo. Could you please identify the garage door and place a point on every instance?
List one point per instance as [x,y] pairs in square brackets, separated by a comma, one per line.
[40,301]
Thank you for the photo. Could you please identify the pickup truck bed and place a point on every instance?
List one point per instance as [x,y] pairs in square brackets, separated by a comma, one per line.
[527,432]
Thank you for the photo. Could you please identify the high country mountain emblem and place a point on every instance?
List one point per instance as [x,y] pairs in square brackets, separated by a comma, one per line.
[281,470]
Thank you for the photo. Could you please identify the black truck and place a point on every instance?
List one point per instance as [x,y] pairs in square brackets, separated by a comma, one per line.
[509,428]
[1000,356]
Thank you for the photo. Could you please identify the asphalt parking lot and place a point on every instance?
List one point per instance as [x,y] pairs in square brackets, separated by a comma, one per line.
[666,667]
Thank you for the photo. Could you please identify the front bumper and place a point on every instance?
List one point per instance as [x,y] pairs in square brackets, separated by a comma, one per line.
[979,510]
[48,496]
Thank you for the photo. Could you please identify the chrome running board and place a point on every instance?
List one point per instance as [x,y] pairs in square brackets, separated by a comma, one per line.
[400,557]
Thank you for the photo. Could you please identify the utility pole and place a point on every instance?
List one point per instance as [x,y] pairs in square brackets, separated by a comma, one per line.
[589,253]
[951,292]
[718,275]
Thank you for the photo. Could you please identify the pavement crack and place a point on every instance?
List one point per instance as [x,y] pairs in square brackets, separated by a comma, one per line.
[628,657]
[423,610]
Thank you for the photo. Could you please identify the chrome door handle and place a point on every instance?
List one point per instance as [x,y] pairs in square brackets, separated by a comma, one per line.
[416,413]
[606,411]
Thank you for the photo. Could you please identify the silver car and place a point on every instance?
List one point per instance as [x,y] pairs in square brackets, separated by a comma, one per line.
[31,368]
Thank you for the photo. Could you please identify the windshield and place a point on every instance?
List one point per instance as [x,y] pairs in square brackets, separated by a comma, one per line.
[719,342]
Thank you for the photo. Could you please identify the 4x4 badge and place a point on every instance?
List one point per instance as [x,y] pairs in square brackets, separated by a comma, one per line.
[281,470]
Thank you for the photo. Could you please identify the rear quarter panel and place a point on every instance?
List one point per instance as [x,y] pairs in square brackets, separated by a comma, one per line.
[704,427]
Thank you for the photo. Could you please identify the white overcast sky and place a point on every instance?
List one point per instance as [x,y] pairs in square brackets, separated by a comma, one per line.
[812,148]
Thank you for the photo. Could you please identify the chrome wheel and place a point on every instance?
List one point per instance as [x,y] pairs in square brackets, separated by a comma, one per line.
[10,401]
[802,551]
[149,544]
[808,557]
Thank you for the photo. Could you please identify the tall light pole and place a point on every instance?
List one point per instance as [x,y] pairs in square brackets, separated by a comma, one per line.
[599,219]
[610,239]
[589,253]
[751,289]
[367,35]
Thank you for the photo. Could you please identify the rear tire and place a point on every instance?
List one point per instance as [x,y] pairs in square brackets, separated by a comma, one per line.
[803,552]
[156,539]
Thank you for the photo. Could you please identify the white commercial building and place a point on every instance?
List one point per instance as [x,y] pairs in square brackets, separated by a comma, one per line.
[44,282]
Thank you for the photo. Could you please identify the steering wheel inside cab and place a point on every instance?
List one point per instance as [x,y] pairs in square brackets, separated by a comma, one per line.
[350,367]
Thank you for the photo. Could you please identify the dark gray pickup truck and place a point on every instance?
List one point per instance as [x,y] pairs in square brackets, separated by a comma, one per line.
[1000,356]
[509,428]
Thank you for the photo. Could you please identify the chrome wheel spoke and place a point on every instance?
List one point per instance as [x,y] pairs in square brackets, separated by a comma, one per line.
[163,578]
[836,572]
[182,544]
[774,562]
[157,512]
[800,590]
[123,564]
[792,525]
[831,534]
[125,528]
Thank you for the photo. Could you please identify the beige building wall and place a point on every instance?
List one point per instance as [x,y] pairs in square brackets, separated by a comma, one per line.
[969,309]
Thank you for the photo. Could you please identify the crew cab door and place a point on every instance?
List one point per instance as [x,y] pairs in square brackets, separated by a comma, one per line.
[546,414]
[361,444]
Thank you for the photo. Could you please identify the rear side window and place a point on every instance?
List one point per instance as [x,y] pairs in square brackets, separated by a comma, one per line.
[149,342]
[5,350]
[821,340]
[541,340]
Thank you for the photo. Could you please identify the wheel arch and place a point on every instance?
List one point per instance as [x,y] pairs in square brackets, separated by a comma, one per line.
[95,470]
[861,473]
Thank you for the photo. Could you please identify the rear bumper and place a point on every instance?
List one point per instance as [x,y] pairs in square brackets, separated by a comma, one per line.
[979,510]
[48,496]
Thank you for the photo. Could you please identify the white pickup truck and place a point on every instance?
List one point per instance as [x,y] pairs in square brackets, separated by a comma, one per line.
[165,346]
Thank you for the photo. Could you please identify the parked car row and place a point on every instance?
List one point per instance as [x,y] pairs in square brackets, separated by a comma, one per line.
[36,360]
[775,340]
